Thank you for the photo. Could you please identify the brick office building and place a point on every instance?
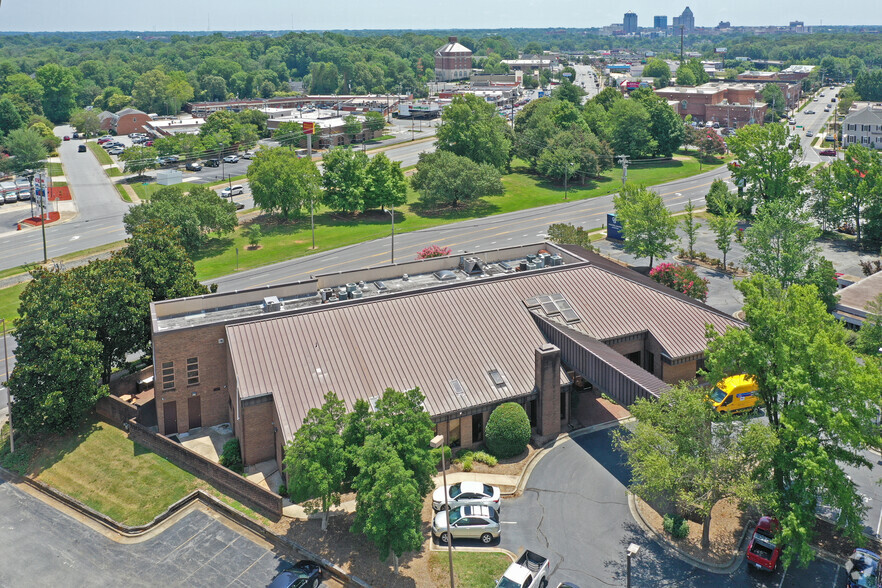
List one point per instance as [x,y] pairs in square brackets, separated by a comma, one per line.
[470,332]
[732,105]
[453,61]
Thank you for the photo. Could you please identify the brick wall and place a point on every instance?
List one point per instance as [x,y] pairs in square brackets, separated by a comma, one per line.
[251,495]
[177,347]
[115,410]
[674,373]
[547,360]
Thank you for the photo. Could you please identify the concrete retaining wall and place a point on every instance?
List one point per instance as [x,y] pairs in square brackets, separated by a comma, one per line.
[248,493]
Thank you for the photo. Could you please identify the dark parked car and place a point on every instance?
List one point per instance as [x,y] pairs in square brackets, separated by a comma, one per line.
[81,148]
[829,152]
[862,569]
[303,574]
[194,166]
[212,163]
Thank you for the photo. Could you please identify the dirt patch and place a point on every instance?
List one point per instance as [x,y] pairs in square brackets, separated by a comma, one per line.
[830,540]
[357,555]
[254,247]
[512,466]
[727,526]
[729,271]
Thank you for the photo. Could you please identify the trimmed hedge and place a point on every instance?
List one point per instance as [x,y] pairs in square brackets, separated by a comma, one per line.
[508,430]
[231,456]
[677,527]
[436,454]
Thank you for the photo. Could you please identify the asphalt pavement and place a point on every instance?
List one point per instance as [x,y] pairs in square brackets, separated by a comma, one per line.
[44,547]
[574,510]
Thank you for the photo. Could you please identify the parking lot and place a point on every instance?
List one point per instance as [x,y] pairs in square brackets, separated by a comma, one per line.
[44,547]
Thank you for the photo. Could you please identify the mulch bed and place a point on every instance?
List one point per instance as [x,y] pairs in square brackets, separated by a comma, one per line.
[59,193]
[36,221]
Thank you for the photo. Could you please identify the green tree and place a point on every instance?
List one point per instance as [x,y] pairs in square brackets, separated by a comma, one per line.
[120,309]
[351,126]
[869,85]
[374,121]
[28,89]
[161,263]
[820,401]
[569,92]
[200,212]
[385,184]
[471,128]
[355,431]
[665,125]
[649,228]
[282,183]
[853,186]
[445,179]
[630,130]
[710,144]
[10,119]
[690,227]
[150,91]
[290,134]
[85,121]
[254,235]
[26,150]
[57,374]
[781,242]
[769,167]
[344,179]
[869,337]
[388,503]
[724,225]
[679,452]
[315,461]
[685,76]
[658,69]
[406,427]
[774,97]
[607,98]
[59,91]
[140,159]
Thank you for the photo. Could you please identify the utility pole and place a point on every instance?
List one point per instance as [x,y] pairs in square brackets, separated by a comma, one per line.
[681,44]
[623,160]
[8,395]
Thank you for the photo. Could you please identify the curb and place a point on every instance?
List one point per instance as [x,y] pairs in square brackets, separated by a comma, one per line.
[672,549]
[442,548]
[197,496]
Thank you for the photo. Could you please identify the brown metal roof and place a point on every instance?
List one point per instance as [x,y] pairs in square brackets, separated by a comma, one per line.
[429,338]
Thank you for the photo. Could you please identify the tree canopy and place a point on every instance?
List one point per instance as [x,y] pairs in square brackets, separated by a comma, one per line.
[283,183]
[471,128]
[445,179]
[649,229]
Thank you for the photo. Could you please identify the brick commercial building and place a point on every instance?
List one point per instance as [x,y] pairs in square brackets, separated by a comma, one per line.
[453,62]
[731,105]
[529,324]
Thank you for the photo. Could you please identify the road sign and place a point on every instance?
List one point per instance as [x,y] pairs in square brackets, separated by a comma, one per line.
[308,128]
[567,74]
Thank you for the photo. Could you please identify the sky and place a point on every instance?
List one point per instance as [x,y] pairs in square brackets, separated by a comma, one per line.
[239,15]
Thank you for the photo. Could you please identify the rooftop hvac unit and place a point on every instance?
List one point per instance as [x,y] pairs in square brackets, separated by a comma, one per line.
[532,265]
[271,304]
[325,293]
[531,258]
[522,265]
[505,266]
[351,287]
[342,293]
[556,260]
[545,257]
[356,294]
[539,263]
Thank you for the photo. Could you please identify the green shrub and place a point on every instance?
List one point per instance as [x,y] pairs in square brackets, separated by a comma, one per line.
[485,458]
[508,430]
[676,527]
[283,491]
[608,398]
[231,457]
[436,454]
[461,453]
[467,463]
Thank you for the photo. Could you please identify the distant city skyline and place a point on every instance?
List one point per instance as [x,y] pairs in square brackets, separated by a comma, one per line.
[234,15]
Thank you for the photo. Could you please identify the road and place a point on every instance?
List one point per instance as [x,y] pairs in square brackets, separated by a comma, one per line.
[44,547]
[814,119]
[503,230]
[574,510]
[587,77]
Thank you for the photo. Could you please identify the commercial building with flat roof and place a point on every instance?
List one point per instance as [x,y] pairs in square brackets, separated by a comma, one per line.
[853,302]
[526,324]
[731,105]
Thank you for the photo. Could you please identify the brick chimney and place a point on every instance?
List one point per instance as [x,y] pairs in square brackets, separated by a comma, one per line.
[451,39]
[548,384]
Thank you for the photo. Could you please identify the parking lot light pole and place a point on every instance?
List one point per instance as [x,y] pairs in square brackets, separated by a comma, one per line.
[438,441]
[632,551]
[391,211]
[8,395]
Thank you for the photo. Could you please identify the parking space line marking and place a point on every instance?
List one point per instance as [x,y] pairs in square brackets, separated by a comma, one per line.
[836,575]
[879,523]
[781,583]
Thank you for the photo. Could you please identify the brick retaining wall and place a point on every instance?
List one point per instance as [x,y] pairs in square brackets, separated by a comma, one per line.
[248,493]
[115,410]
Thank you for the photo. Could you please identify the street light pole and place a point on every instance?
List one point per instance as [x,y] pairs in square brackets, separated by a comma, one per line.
[438,441]
[6,384]
[632,551]
[391,211]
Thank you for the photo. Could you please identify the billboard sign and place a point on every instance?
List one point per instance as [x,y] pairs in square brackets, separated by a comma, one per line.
[614,228]
[308,128]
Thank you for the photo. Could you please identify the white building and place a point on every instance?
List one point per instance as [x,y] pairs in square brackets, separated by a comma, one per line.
[863,126]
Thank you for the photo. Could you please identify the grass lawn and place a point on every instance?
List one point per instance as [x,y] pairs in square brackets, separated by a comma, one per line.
[100,153]
[98,465]
[9,303]
[113,172]
[54,168]
[122,192]
[145,191]
[479,569]
[291,240]
[380,138]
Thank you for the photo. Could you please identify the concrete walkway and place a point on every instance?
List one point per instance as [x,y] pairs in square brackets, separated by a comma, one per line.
[132,194]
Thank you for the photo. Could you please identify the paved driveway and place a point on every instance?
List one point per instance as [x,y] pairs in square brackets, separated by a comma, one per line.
[43,547]
[574,510]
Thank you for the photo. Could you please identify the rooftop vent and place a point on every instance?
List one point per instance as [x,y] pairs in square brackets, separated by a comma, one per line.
[373,402]
[470,265]
[381,287]
[457,387]
[445,275]
[271,304]
[496,377]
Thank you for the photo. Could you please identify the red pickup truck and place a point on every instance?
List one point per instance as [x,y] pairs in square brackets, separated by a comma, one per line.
[763,552]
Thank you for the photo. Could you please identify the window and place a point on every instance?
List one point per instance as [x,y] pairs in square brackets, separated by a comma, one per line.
[477,427]
[168,375]
[192,371]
